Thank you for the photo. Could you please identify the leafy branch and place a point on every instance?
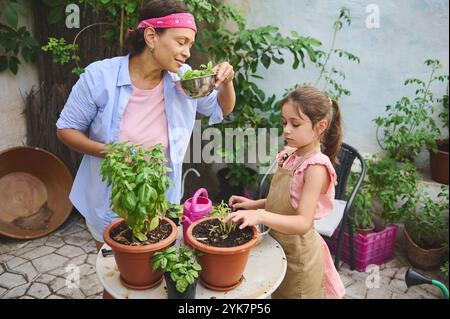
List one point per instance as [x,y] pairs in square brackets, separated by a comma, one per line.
[337,90]
[15,40]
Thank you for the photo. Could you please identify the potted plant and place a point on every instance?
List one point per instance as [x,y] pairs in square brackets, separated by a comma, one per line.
[138,196]
[363,220]
[439,156]
[174,213]
[426,230]
[224,247]
[410,125]
[361,214]
[180,271]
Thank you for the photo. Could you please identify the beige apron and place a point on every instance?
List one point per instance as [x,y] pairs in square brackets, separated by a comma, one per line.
[305,274]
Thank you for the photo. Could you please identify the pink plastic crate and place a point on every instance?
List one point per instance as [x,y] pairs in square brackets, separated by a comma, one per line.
[375,248]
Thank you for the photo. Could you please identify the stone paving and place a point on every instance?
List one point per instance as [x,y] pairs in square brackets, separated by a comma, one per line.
[37,269]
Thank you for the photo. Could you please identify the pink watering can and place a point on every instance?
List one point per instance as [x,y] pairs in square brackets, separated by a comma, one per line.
[195,208]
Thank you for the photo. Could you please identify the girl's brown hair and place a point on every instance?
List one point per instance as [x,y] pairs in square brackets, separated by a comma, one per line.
[135,43]
[317,106]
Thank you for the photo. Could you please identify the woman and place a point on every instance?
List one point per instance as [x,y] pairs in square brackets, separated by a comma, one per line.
[134,98]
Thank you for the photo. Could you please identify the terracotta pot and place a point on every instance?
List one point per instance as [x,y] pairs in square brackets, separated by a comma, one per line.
[439,162]
[134,262]
[422,258]
[222,268]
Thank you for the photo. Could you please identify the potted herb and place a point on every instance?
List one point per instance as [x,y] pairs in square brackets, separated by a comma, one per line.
[224,247]
[138,196]
[180,271]
[426,229]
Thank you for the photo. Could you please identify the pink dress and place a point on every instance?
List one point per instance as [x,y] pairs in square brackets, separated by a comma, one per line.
[334,287]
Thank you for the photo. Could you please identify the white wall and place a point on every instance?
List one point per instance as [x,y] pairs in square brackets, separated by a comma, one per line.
[13,89]
[410,32]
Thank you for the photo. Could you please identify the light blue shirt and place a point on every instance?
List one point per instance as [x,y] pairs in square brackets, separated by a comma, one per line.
[97,103]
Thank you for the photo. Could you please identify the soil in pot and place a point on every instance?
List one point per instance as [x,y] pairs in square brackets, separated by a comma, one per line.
[209,233]
[173,293]
[124,235]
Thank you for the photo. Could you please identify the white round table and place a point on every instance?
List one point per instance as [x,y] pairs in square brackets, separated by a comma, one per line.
[264,272]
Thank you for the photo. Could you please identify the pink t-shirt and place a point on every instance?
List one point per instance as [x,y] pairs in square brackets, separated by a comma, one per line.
[144,120]
[334,287]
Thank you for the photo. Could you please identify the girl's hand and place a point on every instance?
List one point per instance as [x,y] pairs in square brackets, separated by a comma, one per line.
[240,202]
[224,73]
[245,218]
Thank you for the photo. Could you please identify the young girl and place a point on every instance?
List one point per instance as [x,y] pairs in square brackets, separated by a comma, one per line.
[301,190]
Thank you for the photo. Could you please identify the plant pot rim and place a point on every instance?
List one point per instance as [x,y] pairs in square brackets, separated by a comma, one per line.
[408,237]
[138,249]
[220,250]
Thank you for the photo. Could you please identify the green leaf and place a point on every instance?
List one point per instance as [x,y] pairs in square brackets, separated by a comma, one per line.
[31,41]
[156,263]
[170,250]
[26,54]
[296,62]
[19,9]
[14,64]
[10,15]
[140,236]
[131,7]
[181,285]
[163,263]
[3,63]
[265,60]
[154,223]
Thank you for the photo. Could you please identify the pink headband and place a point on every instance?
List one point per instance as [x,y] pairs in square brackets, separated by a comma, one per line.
[176,20]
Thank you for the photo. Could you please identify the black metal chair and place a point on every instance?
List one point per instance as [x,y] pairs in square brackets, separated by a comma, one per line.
[347,155]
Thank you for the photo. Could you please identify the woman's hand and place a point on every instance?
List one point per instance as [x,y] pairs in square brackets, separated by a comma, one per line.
[224,73]
[240,202]
[245,218]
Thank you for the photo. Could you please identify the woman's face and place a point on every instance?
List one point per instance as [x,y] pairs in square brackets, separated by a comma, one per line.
[172,48]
